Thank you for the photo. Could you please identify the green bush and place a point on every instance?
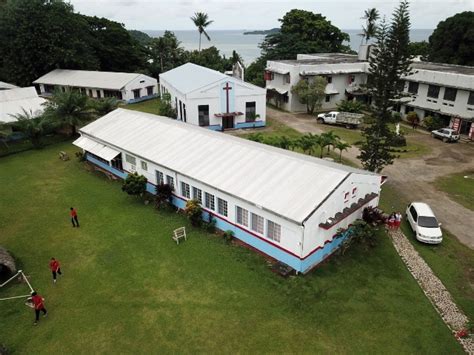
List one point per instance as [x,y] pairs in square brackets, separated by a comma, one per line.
[397,117]
[432,123]
[398,141]
[228,235]
[412,117]
[165,108]
[351,106]
[134,184]
[164,195]
[194,212]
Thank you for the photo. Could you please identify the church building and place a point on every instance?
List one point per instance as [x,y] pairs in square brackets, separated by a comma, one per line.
[210,99]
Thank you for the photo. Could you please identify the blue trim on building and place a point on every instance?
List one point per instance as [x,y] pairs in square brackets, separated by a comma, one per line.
[215,127]
[140,99]
[248,238]
[254,124]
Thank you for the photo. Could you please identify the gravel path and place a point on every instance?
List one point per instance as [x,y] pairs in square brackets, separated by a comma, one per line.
[413,178]
[432,287]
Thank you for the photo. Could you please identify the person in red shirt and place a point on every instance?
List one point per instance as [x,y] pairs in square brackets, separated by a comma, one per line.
[38,303]
[55,268]
[74,220]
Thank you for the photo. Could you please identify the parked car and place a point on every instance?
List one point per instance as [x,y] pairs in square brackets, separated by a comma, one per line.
[348,119]
[446,134]
[424,223]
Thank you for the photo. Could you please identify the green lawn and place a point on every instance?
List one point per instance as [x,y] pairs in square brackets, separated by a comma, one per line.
[459,186]
[452,262]
[149,106]
[128,288]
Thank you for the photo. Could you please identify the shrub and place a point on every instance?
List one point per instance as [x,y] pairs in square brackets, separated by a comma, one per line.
[164,194]
[228,235]
[81,156]
[210,225]
[397,117]
[360,233]
[134,184]
[412,117]
[432,123]
[165,108]
[194,212]
[350,106]
[397,141]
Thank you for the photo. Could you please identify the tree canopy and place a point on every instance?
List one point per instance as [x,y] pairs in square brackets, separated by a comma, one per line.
[311,93]
[453,40]
[37,36]
[303,32]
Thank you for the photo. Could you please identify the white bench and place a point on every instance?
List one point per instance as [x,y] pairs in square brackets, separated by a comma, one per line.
[178,234]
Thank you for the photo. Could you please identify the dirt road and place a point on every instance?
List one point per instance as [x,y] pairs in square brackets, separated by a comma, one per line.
[413,178]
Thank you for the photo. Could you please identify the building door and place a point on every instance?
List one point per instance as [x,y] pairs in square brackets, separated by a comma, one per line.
[227,122]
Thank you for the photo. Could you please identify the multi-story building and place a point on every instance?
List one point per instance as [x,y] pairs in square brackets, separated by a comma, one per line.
[431,88]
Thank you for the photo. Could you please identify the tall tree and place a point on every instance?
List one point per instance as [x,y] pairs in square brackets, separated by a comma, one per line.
[453,40]
[371,17]
[311,93]
[166,53]
[210,58]
[69,108]
[31,126]
[303,32]
[421,49]
[37,36]
[388,64]
[201,21]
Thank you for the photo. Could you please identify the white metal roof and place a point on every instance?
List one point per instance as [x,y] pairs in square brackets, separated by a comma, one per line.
[13,101]
[5,86]
[190,77]
[86,78]
[98,149]
[289,184]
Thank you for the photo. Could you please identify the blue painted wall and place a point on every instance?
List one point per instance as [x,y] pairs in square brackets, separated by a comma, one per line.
[143,98]
[250,124]
[267,248]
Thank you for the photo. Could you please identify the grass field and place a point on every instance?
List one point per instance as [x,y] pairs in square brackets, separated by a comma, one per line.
[149,106]
[451,261]
[459,188]
[128,288]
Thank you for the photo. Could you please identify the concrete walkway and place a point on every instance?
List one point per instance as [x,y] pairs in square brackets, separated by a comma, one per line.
[433,288]
[413,178]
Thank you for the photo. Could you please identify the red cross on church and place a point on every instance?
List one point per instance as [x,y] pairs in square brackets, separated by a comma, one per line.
[227,88]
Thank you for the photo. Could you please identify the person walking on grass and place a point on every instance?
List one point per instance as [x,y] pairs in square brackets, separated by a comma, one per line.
[38,304]
[74,220]
[55,268]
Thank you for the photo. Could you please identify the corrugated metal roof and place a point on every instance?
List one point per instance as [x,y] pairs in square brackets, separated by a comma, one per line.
[286,183]
[5,86]
[86,78]
[190,77]
[13,101]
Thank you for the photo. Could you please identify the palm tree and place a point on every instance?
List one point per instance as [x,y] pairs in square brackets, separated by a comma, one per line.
[369,30]
[5,131]
[201,21]
[33,127]
[341,145]
[103,106]
[307,142]
[329,139]
[69,108]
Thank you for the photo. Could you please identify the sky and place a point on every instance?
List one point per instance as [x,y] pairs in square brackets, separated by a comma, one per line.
[257,14]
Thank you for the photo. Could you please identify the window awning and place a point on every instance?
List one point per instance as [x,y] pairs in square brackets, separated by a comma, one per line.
[95,148]
[278,90]
[330,90]
[223,114]
[278,71]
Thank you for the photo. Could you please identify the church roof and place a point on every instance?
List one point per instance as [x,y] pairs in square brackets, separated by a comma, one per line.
[286,183]
[190,77]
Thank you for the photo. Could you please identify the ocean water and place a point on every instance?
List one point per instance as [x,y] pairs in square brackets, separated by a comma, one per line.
[247,45]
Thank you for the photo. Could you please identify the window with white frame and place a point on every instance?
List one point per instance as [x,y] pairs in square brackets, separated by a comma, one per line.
[242,216]
[222,207]
[131,160]
[257,223]
[185,191]
[144,165]
[209,201]
[273,231]
[170,181]
[160,179]
[197,194]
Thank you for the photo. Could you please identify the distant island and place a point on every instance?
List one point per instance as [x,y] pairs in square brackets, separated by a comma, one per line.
[262,32]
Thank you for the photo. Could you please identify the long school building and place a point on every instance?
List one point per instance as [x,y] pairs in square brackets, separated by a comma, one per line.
[292,207]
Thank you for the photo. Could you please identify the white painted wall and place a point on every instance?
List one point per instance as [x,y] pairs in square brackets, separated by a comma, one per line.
[315,236]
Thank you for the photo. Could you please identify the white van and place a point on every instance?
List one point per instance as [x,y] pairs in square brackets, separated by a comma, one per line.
[424,223]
